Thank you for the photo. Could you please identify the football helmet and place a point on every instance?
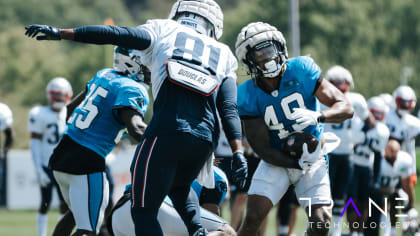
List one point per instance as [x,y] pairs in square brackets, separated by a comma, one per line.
[405,99]
[340,77]
[378,107]
[59,93]
[388,99]
[262,48]
[206,17]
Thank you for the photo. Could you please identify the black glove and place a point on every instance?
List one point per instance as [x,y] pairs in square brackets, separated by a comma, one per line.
[239,169]
[49,32]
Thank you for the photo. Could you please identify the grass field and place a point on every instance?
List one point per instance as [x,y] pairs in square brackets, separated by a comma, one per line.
[23,222]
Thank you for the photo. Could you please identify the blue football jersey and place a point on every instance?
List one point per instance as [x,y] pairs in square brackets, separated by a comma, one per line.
[296,89]
[220,180]
[95,123]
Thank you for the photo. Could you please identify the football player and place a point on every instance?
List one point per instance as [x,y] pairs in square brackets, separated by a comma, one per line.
[367,158]
[404,127]
[6,121]
[396,168]
[340,164]
[47,125]
[171,223]
[193,77]
[114,99]
[282,97]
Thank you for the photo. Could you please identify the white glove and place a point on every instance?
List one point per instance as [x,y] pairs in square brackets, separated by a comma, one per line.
[305,117]
[43,178]
[308,159]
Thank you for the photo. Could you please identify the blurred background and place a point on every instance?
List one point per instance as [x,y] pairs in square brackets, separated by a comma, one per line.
[377,40]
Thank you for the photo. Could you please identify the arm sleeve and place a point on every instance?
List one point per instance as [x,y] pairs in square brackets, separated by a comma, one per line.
[226,105]
[135,38]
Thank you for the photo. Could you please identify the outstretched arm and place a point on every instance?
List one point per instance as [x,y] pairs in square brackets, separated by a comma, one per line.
[259,138]
[340,108]
[128,37]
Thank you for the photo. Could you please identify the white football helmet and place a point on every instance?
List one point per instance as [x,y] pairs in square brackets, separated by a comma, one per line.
[405,99]
[388,99]
[260,39]
[59,93]
[208,9]
[340,77]
[378,107]
[6,117]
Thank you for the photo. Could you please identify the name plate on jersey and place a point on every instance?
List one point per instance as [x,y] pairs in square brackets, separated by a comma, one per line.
[191,78]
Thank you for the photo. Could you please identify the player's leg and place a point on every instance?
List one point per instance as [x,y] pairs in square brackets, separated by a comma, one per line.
[62,203]
[42,217]
[88,200]
[66,224]
[268,186]
[314,194]
[354,190]
[240,196]
[195,152]
[284,211]
[153,170]
[340,170]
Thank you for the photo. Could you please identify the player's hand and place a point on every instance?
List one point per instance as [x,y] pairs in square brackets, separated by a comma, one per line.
[308,159]
[43,178]
[239,169]
[305,117]
[47,32]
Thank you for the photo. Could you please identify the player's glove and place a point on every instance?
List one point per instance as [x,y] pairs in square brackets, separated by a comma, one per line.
[305,117]
[239,169]
[48,32]
[43,178]
[308,159]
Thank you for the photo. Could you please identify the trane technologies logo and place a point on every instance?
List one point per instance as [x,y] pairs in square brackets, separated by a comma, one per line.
[383,211]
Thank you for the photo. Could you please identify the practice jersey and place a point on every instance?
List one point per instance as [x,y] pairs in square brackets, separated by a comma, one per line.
[375,140]
[50,125]
[177,109]
[349,130]
[173,40]
[95,123]
[391,174]
[404,129]
[6,117]
[296,90]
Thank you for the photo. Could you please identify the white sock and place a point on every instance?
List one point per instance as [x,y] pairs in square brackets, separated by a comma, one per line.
[336,227]
[42,222]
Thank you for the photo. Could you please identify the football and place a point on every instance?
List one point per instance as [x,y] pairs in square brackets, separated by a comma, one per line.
[292,145]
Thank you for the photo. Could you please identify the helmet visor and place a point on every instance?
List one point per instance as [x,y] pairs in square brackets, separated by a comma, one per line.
[405,104]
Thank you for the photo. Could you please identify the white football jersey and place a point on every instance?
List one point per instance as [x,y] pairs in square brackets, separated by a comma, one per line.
[51,125]
[375,140]
[404,129]
[6,117]
[173,40]
[349,131]
[391,174]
